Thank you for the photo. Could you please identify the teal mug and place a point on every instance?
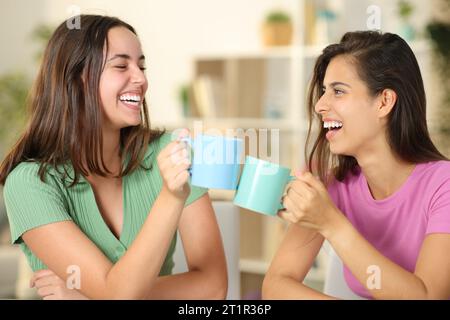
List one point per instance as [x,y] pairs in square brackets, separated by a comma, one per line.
[261,186]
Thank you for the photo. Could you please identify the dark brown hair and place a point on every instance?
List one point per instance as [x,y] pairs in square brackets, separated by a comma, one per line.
[383,61]
[65,123]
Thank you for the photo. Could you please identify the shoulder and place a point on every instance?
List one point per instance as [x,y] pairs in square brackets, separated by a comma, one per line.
[435,173]
[23,171]
[441,167]
[26,175]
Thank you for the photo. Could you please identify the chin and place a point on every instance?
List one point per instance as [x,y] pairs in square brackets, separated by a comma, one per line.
[336,150]
[132,121]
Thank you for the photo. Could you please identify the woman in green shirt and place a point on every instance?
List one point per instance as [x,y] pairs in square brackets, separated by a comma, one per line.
[94,196]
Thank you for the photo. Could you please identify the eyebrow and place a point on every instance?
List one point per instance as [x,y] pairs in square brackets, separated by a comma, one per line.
[124,56]
[337,83]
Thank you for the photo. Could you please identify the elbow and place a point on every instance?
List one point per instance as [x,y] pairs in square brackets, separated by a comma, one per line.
[267,290]
[220,292]
[216,284]
[219,288]
[223,287]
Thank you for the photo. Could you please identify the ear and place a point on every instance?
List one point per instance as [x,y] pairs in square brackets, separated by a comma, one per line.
[387,100]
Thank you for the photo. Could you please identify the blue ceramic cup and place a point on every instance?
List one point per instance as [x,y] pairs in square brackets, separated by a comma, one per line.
[215,161]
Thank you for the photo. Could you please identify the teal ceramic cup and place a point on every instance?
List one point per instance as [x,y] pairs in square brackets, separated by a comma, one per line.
[261,186]
[215,162]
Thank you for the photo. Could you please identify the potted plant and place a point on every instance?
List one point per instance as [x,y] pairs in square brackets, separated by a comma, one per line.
[405,10]
[277,29]
[14,87]
[438,32]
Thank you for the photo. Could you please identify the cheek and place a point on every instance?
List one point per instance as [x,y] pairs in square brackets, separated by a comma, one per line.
[108,90]
[145,85]
[363,125]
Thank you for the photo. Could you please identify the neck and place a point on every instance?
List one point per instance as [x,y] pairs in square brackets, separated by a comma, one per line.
[110,153]
[111,146]
[384,171]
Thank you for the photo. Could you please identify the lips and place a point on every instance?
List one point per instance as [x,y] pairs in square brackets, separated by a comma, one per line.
[131,99]
[136,106]
[333,126]
[332,133]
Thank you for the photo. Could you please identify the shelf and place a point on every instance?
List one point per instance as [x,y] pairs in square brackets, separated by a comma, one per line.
[309,51]
[265,53]
[260,267]
[236,123]
[253,266]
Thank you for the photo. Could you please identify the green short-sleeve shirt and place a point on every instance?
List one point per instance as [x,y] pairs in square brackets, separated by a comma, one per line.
[31,203]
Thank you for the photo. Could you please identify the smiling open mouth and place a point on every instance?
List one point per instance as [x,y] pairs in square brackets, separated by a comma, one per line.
[332,125]
[333,128]
[131,101]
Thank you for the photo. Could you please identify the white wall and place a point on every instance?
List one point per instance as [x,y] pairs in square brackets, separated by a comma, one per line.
[173,32]
[17,19]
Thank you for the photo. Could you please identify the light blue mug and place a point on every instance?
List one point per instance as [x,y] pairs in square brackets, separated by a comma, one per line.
[261,186]
[215,161]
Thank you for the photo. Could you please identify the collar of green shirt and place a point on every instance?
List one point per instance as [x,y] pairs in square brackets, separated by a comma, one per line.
[67,173]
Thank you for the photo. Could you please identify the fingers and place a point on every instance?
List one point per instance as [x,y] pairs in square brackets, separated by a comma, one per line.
[45,291]
[286,215]
[291,205]
[181,179]
[310,180]
[184,133]
[173,150]
[47,281]
[40,274]
[173,157]
[300,188]
[178,176]
[293,202]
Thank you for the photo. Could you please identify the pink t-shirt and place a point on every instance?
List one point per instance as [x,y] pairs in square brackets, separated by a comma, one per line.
[396,226]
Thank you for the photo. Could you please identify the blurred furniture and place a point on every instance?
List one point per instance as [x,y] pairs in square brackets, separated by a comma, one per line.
[9,266]
[335,284]
[228,220]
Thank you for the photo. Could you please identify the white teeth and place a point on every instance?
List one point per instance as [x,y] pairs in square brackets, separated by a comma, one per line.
[332,124]
[130,98]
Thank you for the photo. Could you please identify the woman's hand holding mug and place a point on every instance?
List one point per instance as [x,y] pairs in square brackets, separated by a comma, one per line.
[174,163]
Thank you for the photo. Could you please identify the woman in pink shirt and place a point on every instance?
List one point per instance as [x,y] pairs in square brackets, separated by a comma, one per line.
[385,206]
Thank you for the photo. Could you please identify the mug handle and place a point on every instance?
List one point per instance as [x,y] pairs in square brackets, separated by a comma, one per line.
[280,206]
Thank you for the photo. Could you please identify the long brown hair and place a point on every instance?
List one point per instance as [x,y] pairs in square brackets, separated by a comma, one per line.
[65,123]
[383,61]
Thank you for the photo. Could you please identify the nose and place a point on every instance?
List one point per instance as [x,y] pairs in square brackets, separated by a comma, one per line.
[322,106]
[138,77]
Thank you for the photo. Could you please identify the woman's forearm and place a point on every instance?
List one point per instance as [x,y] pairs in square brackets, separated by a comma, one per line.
[195,285]
[135,274]
[382,278]
[286,288]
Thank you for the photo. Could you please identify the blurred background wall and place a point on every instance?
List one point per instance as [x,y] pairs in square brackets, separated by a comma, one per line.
[198,42]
